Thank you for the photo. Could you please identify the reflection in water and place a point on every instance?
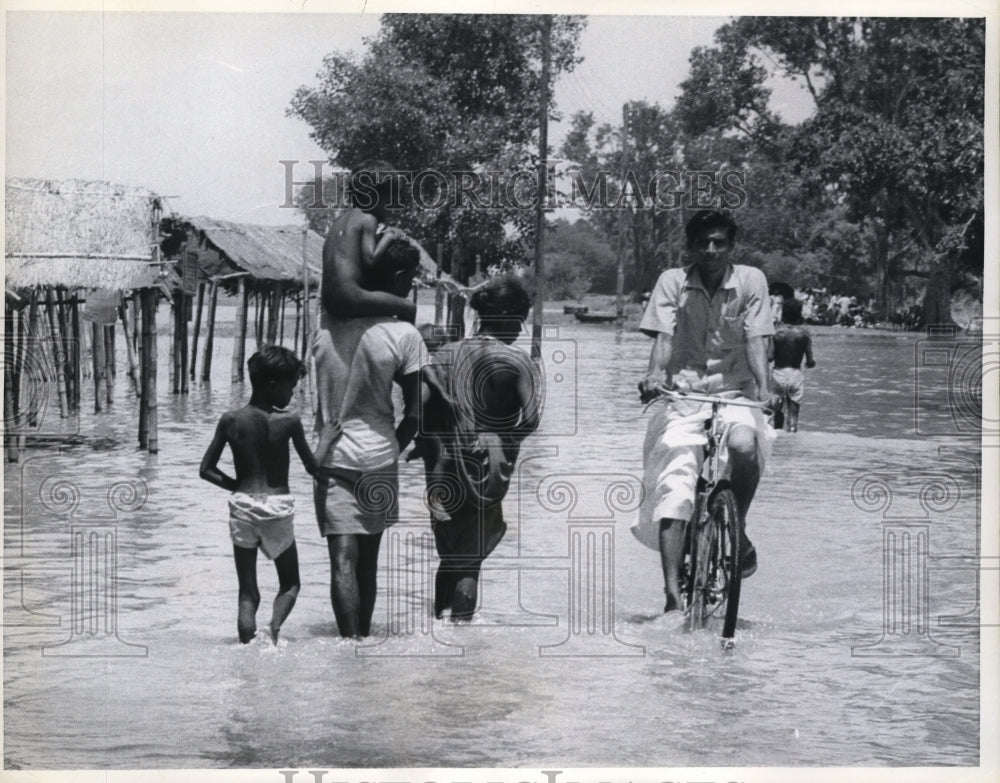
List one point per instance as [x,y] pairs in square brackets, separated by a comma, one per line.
[792,693]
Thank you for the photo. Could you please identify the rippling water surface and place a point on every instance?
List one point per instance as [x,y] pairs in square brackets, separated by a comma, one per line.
[831,667]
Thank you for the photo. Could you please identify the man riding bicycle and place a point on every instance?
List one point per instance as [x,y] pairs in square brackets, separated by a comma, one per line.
[710,320]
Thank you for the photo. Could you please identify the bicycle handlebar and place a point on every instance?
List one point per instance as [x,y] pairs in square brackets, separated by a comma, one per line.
[664,394]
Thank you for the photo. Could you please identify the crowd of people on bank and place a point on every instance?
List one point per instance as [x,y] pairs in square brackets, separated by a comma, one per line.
[823,308]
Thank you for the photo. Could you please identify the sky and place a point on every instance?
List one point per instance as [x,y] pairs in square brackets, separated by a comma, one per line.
[192,105]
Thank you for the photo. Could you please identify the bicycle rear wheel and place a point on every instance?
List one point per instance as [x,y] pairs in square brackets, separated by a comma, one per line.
[716,564]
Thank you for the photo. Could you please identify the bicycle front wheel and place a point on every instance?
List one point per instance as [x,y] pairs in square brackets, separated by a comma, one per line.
[717,564]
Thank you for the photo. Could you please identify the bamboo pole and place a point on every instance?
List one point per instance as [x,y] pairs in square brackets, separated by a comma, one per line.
[109,361]
[298,323]
[77,349]
[173,382]
[272,316]
[206,362]
[129,349]
[197,328]
[183,342]
[150,295]
[142,344]
[281,318]
[153,443]
[34,334]
[71,377]
[259,319]
[97,355]
[543,151]
[58,352]
[240,340]
[11,413]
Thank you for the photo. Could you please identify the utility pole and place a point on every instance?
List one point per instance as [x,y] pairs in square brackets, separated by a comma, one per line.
[622,221]
[543,160]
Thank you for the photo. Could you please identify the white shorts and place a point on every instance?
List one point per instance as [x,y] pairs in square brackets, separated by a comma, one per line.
[787,382]
[673,454]
[262,520]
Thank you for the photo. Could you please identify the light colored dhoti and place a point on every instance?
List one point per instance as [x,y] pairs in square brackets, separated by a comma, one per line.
[673,454]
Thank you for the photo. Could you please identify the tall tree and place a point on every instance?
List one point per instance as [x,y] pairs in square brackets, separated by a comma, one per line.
[896,138]
[448,92]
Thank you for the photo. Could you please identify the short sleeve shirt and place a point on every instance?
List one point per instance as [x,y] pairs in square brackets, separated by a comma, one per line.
[363,358]
[710,332]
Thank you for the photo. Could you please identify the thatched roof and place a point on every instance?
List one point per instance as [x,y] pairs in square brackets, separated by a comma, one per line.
[267,253]
[79,234]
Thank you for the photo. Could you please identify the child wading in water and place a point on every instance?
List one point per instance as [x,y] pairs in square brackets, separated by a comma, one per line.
[261,508]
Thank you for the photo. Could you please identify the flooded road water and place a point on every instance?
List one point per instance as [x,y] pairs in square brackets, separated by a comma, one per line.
[858,642]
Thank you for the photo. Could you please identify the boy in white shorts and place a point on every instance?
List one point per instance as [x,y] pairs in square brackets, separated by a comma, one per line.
[261,507]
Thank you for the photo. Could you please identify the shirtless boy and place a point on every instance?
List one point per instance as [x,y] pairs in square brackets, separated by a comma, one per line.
[261,508]
[356,240]
[791,342]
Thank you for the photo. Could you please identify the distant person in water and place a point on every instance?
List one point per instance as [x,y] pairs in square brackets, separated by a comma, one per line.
[261,508]
[482,402]
[792,342]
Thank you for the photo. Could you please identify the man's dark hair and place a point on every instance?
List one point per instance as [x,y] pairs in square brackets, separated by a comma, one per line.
[368,181]
[791,311]
[274,363]
[501,296]
[706,220]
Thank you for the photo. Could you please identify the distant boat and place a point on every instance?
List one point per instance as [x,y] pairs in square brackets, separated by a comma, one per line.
[595,318]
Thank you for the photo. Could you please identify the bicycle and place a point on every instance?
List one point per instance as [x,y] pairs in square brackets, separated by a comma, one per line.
[713,561]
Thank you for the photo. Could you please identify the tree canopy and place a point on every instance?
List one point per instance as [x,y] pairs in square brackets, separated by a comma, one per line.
[448,92]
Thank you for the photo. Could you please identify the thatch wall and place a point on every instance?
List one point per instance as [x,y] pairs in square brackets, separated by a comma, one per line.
[79,234]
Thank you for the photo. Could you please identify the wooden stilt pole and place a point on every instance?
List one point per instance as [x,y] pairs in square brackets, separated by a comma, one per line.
[182,342]
[109,362]
[281,318]
[259,319]
[141,317]
[58,352]
[206,362]
[151,295]
[35,336]
[97,355]
[11,414]
[133,369]
[197,328]
[272,315]
[240,340]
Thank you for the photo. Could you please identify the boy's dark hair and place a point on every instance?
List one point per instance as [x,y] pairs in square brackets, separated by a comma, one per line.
[368,182]
[274,363]
[505,295]
[791,311]
[707,219]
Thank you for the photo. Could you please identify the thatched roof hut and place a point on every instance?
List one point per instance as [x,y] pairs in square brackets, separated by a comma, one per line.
[268,255]
[80,234]
[67,244]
